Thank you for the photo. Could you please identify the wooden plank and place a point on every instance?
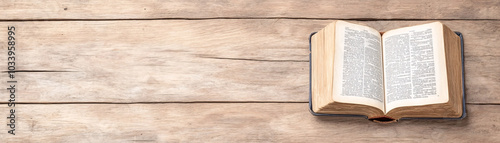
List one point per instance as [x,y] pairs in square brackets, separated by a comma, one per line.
[199,60]
[340,9]
[233,122]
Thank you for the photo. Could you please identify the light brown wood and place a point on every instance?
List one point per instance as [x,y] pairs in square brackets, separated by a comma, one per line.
[354,9]
[240,51]
[234,122]
[200,60]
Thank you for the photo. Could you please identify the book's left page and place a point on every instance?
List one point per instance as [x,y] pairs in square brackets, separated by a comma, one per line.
[358,70]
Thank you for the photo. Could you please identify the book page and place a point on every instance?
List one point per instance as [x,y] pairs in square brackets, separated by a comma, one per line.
[415,66]
[358,76]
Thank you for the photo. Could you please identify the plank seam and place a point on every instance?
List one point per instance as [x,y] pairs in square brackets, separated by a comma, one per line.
[166,102]
[36,71]
[191,102]
[245,59]
[215,18]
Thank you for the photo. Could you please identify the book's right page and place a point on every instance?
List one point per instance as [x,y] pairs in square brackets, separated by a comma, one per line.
[414,66]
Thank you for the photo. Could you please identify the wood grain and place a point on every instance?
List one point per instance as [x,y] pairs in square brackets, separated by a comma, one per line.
[200,60]
[185,9]
[234,122]
[72,54]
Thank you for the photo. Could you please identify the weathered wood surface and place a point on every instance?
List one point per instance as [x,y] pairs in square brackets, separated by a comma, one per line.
[200,60]
[235,122]
[182,9]
[121,53]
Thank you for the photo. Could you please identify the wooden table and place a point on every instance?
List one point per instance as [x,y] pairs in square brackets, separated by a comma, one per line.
[217,71]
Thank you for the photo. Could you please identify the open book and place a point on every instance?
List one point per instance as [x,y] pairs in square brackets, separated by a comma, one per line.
[407,72]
